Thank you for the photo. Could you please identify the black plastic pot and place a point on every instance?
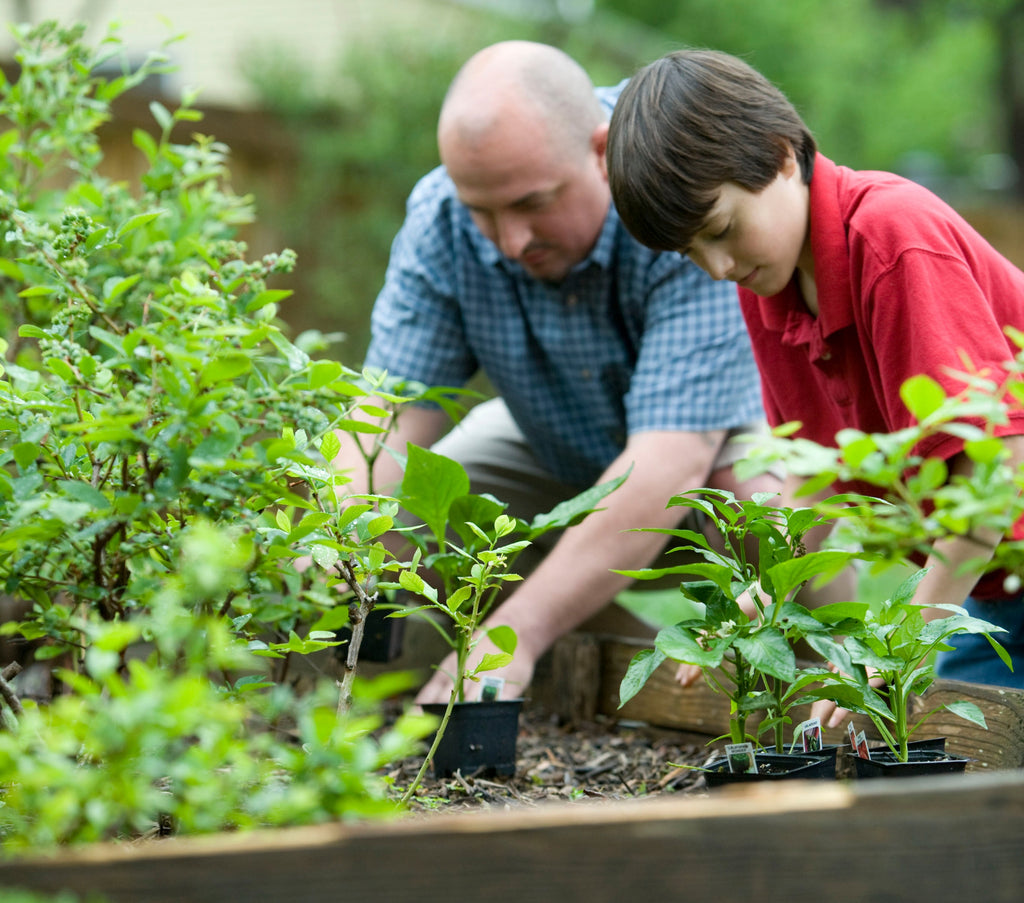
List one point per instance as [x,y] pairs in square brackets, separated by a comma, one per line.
[480,737]
[382,637]
[924,757]
[773,766]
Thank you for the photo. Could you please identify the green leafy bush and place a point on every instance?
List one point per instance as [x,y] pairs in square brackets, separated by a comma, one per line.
[164,459]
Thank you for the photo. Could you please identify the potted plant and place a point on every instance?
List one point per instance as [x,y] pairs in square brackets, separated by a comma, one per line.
[891,646]
[744,640]
[469,545]
[924,503]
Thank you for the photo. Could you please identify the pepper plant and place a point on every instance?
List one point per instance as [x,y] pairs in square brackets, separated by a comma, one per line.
[893,645]
[744,640]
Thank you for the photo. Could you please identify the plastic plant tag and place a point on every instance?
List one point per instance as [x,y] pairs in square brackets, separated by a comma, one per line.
[808,735]
[862,746]
[741,758]
[490,688]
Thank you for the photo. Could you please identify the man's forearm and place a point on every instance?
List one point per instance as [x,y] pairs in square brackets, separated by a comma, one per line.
[576,580]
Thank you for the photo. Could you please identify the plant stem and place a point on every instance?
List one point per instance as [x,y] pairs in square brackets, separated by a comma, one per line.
[364,606]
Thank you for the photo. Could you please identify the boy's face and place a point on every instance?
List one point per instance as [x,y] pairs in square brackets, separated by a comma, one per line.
[757,240]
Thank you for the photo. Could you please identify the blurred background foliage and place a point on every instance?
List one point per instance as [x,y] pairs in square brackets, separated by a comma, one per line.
[934,90]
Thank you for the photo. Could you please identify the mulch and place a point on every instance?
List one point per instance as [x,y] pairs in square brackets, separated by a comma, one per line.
[600,760]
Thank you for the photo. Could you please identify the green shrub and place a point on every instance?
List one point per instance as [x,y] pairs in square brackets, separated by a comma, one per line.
[163,459]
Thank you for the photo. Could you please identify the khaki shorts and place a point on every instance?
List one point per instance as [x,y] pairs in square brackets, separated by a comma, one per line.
[498,460]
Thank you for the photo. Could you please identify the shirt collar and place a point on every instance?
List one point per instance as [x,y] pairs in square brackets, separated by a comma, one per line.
[831,258]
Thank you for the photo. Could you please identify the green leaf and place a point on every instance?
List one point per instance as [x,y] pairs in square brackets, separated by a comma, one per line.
[115,286]
[968,711]
[11,270]
[36,291]
[225,367]
[145,143]
[491,661]
[640,669]
[161,115]
[787,576]
[62,369]
[984,451]
[430,485]
[769,652]
[504,638]
[330,446]
[575,509]
[459,598]
[325,556]
[323,373]
[268,296]
[923,396]
[681,645]
[137,221]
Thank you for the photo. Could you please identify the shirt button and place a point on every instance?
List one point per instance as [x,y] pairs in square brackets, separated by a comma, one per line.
[585,374]
[826,355]
[571,300]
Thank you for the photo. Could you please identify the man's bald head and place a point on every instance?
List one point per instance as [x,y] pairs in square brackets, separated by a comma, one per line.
[515,79]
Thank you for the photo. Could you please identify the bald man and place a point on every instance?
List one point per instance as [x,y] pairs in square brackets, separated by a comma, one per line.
[603,355]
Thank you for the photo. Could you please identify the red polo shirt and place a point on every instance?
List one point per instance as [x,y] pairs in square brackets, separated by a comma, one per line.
[905,287]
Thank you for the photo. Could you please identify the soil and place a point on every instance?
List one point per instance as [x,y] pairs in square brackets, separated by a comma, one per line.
[601,760]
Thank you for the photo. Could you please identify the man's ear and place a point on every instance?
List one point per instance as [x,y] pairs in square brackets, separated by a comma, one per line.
[599,144]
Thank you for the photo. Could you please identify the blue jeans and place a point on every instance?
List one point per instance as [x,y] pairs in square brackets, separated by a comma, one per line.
[973,659]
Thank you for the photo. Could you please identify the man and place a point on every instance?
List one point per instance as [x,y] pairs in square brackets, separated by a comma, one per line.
[604,355]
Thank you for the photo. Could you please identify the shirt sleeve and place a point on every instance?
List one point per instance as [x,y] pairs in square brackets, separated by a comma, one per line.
[417,326]
[695,370]
[928,315]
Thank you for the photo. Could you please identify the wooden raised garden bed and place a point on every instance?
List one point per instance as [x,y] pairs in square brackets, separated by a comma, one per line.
[952,838]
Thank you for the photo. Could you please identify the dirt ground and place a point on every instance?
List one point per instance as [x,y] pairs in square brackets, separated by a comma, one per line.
[603,760]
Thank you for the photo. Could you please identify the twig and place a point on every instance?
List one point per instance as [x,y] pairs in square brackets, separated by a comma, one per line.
[7,692]
[366,602]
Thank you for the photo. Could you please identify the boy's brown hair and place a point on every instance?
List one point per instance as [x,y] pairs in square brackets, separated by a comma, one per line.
[684,126]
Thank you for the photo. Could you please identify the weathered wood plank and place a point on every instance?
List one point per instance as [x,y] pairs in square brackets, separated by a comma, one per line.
[869,840]
[1000,746]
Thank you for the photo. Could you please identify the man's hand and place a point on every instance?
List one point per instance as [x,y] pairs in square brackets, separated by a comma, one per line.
[517,675]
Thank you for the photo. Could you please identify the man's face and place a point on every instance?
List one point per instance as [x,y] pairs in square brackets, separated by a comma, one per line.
[757,239]
[543,209]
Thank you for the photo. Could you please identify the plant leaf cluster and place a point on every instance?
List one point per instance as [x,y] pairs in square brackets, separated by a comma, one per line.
[744,641]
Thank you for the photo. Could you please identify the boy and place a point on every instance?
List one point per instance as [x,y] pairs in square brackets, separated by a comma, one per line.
[849,282]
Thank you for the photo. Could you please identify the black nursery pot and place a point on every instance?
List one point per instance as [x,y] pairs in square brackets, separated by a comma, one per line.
[480,737]
[774,767]
[382,637]
[924,757]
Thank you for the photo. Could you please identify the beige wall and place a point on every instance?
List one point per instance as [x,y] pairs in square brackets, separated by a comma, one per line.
[219,33]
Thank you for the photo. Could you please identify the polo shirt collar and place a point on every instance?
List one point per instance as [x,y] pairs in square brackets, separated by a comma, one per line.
[785,312]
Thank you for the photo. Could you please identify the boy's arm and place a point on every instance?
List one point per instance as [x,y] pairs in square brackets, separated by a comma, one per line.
[944,583]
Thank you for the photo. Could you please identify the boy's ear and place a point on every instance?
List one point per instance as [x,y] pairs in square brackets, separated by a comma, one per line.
[790,165]
[599,144]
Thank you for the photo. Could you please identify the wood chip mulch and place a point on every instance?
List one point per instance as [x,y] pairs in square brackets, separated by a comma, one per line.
[604,760]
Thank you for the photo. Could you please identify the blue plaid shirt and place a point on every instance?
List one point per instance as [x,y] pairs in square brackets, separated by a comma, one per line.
[631,340]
